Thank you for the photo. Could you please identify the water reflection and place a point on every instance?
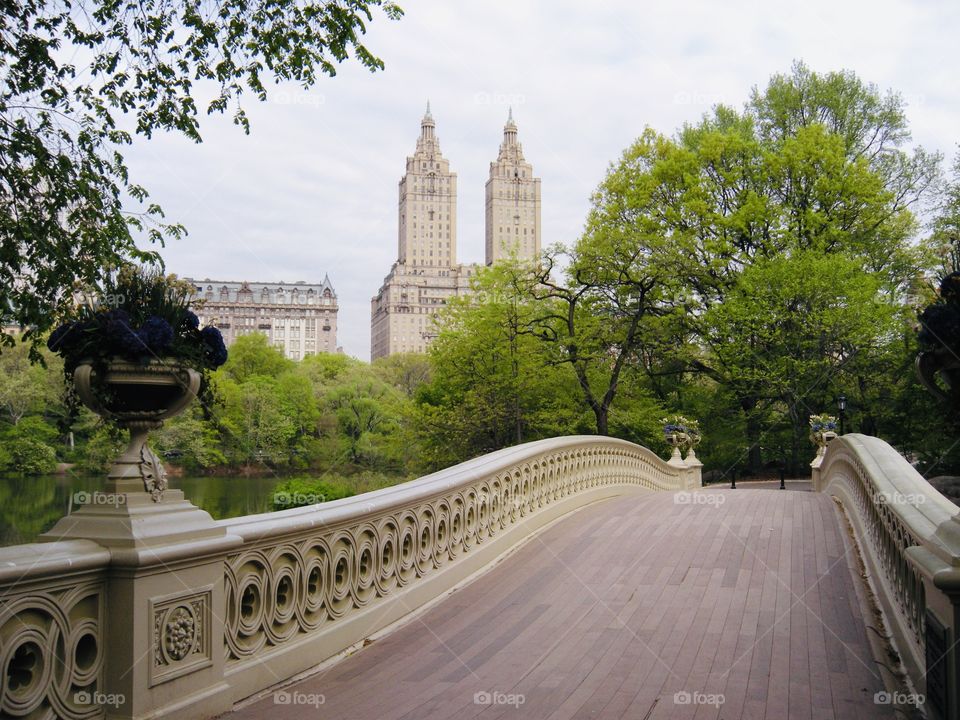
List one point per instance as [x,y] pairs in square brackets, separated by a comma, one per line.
[30,506]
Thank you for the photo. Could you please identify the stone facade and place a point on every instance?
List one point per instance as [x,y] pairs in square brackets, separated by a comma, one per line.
[402,312]
[427,208]
[298,318]
[426,272]
[512,202]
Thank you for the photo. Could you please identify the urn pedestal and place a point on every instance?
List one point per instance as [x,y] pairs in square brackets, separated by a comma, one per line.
[163,630]
[676,441]
[821,439]
[135,507]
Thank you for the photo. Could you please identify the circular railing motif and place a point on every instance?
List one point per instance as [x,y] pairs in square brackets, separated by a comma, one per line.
[51,654]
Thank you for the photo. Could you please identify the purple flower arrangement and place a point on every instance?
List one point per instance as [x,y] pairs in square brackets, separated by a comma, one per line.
[151,320]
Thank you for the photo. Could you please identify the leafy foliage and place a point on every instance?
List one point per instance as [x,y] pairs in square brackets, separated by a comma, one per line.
[788,228]
[492,384]
[300,492]
[29,456]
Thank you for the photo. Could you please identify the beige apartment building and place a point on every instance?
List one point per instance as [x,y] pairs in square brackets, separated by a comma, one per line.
[298,318]
[426,273]
[512,202]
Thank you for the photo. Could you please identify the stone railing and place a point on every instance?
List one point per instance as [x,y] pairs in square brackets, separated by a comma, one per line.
[909,537]
[52,645]
[172,614]
[309,583]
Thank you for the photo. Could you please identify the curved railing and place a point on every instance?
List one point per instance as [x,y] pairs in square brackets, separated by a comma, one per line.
[173,614]
[308,582]
[907,532]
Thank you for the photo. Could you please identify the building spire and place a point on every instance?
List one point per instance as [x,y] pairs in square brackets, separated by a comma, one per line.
[427,125]
[510,130]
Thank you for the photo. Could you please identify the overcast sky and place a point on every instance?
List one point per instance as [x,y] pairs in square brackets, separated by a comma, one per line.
[313,188]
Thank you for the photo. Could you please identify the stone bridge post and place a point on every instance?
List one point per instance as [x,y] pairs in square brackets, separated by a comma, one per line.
[163,626]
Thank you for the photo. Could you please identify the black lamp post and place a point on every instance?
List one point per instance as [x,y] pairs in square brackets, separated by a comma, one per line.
[842,403]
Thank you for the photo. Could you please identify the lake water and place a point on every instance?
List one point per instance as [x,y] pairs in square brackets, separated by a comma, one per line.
[31,505]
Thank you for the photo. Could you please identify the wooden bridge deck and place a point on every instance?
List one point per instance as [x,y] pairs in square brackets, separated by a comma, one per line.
[744,605]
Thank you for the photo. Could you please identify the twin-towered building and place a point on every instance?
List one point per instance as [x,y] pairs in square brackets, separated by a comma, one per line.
[301,319]
[426,272]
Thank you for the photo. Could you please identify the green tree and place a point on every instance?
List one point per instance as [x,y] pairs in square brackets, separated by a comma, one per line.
[783,222]
[252,355]
[257,427]
[266,407]
[190,440]
[364,408]
[599,318]
[79,83]
[782,341]
[493,384]
[29,456]
[105,444]
[29,389]
[944,240]
[405,371]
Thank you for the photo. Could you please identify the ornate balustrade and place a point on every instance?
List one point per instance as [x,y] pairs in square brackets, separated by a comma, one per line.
[909,536]
[52,629]
[309,583]
[171,614]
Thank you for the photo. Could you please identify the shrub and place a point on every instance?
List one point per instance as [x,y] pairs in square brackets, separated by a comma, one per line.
[302,492]
[106,443]
[29,456]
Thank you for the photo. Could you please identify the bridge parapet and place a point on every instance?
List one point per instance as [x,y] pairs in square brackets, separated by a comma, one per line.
[309,583]
[184,624]
[52,627]
[909,537]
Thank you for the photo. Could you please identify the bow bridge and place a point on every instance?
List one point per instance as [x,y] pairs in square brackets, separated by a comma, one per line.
[566,578]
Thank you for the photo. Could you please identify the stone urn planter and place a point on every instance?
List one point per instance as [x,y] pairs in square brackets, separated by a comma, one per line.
[942,363]
[821,439]
[676,440]
[136,357]
[138,397]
